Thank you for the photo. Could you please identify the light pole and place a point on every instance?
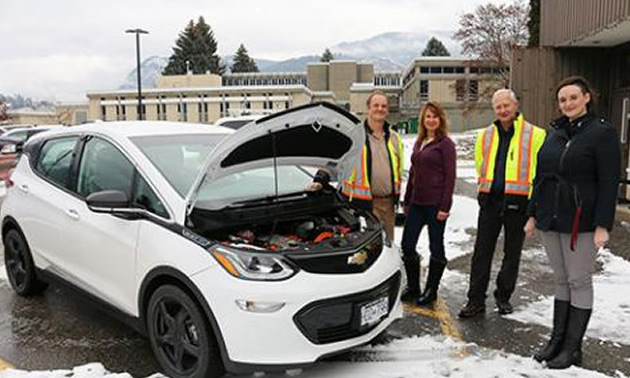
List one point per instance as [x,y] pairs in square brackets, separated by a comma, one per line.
[137,32]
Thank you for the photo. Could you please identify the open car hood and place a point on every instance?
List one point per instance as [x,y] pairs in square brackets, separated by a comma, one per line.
[315,135]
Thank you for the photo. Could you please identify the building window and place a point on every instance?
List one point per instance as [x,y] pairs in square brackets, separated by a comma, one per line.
[460,90]
[80,117]
[161,109]
[424,90]
[473,90]
[449,70]
[182,109]
[435,70]
[474,70]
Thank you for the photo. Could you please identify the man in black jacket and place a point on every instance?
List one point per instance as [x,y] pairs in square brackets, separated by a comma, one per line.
[505,158]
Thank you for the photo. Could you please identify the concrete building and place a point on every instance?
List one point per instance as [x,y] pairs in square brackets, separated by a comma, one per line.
[196,98]
[463,87]
[205,98]
[72,113]
[590,38]
[28,116]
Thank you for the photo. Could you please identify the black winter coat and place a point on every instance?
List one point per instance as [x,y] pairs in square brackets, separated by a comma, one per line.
[578,165]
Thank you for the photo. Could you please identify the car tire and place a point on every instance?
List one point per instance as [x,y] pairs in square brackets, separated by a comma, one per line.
[19,265]
[180,336]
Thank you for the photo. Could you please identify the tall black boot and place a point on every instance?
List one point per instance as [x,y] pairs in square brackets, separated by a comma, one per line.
[412,268]
[571,353]
[553,347]
[436,269]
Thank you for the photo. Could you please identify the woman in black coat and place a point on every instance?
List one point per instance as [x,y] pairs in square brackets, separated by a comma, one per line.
[573,205]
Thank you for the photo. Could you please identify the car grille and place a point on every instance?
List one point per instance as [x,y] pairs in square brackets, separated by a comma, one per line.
[337,319]
[355,261]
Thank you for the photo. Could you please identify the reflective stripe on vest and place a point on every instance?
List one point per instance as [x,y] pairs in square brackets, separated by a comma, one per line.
[518,183]
[358,184]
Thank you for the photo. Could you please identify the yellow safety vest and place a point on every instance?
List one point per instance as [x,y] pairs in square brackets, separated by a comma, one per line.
[358,184]
[522,157]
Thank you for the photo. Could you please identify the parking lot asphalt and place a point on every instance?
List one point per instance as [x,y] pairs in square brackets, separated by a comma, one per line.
[59,320]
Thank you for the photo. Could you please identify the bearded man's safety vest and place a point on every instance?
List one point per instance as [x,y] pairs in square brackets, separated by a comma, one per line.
[357,186]
[521,161]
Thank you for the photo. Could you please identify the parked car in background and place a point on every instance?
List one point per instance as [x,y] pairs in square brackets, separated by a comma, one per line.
[8,155]
[23,133]
[237,122]
[11,142]
[205,239]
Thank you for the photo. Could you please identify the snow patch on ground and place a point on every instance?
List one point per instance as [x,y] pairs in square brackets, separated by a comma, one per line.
[611,311]
[421,357]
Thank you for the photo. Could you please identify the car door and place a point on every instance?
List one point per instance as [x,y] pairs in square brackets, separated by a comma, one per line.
[100,249]
[42,192]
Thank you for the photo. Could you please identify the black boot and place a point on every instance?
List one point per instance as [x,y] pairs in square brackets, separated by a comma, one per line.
[412,268]
[553,347]
[571,353]
[436,269]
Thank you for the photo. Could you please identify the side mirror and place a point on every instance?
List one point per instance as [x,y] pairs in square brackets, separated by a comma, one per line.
[108,201]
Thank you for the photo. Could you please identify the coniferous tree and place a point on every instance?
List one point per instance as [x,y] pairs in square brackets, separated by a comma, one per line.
[195,49]
[533,25]
[435,48]
[243,62]
[327,56]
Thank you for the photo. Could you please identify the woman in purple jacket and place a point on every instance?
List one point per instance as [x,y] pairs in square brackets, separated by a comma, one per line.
[428,200]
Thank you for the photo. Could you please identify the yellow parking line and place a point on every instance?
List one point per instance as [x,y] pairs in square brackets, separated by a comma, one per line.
[5,365]
[440,312]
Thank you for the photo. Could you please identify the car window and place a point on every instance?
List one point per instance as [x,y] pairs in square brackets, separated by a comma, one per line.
[178,157]
[145,198]
[252,184]
[103,167]
[55,160]
[18,134]
[31,132]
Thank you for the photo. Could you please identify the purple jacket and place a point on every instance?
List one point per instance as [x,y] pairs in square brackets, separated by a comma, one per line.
[432,176]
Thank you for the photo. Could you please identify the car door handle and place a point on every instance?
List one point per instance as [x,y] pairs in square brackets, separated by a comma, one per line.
[23,188]
[72,214]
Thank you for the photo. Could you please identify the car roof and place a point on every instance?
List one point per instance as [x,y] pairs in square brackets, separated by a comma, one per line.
[129,129]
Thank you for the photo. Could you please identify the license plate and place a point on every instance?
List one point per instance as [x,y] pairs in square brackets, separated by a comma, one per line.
[373,312]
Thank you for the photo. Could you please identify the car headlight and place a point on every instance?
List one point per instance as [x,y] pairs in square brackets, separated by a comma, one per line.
[253,266]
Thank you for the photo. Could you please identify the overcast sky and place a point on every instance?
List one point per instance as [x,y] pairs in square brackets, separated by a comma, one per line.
[59,50]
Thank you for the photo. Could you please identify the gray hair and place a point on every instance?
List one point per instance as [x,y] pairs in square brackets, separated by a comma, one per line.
[504,91]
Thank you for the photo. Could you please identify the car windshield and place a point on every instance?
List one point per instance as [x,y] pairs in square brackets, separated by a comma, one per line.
[178,157]
[252,184]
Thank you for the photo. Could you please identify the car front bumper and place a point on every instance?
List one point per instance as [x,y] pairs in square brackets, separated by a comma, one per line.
[320,314]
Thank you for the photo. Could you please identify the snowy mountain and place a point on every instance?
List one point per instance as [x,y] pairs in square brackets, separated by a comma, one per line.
[399,48]
[150,69]
[387,52]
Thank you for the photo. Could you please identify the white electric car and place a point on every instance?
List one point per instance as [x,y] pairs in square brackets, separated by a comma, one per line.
[205,239]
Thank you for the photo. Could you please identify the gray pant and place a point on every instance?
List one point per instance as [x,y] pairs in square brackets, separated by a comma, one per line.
[572,270]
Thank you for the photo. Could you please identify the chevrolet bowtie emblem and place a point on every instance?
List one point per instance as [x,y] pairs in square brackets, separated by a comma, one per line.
[358,258]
